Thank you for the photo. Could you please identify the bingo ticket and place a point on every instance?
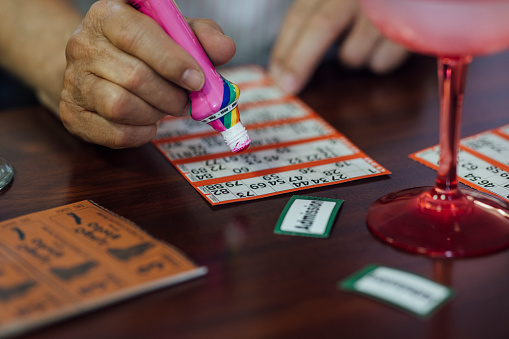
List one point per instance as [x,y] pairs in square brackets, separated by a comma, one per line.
[64,261]
[292,148]
[483,161]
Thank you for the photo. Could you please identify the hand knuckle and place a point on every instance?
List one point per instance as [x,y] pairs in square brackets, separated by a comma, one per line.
[130,136]
[129,39]
[117,106]
[136,75]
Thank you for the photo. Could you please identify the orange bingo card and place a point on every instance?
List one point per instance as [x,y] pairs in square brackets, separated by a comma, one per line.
[483,161]
[64,261]
[292,147]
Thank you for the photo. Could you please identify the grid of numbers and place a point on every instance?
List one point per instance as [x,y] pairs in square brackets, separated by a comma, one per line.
[292,148]
[483,161]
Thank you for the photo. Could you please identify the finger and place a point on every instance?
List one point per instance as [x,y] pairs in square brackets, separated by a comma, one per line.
[328,21]
[293,24]
[96,54]
[128,30]
[358,46]
[387,56]
[91,126]
[219,47]
[115,103]
[138,78]
[104,132]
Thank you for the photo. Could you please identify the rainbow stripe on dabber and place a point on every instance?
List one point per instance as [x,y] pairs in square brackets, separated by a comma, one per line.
[228,117]
[231,93]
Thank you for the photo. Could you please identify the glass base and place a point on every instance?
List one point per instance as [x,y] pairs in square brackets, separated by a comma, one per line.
[6,173]
[475,224]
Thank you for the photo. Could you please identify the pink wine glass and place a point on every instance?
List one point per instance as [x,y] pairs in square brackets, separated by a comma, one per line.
[443,220]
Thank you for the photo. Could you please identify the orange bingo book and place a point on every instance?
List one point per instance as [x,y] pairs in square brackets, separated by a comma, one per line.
[67,260]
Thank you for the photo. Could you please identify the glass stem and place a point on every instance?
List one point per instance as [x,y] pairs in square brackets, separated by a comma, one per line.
[452,73]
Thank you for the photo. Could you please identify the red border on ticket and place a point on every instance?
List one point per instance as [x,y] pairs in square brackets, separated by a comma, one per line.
[336,159]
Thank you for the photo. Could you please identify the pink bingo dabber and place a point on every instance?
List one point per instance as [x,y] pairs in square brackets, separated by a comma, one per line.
[216,103]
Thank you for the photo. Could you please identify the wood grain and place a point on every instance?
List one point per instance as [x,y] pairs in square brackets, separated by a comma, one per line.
[262,285]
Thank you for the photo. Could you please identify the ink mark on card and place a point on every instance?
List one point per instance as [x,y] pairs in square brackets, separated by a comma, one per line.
[126,254]
[70,273]
[76,218]
[20,233]
[9,293]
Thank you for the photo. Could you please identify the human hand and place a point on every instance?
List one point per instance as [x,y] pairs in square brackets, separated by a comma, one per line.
[312,26]
[124,74]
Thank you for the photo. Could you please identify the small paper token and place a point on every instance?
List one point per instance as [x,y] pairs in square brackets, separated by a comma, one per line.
[405,290]
[308,216]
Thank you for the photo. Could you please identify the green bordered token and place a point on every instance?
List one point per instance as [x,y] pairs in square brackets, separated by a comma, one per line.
[407,291]
[308,216]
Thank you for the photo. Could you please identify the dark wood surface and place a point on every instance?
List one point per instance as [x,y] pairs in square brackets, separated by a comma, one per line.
[262,285]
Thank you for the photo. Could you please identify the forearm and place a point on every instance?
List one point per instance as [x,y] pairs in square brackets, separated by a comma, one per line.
[33,37]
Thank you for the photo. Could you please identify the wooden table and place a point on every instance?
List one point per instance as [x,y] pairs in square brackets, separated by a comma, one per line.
[262,285]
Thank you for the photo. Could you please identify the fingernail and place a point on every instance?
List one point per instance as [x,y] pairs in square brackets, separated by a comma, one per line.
[193,79]
[274,71]
[287,82]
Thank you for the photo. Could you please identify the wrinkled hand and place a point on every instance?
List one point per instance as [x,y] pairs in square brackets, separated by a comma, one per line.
[124,74]
[312,26]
